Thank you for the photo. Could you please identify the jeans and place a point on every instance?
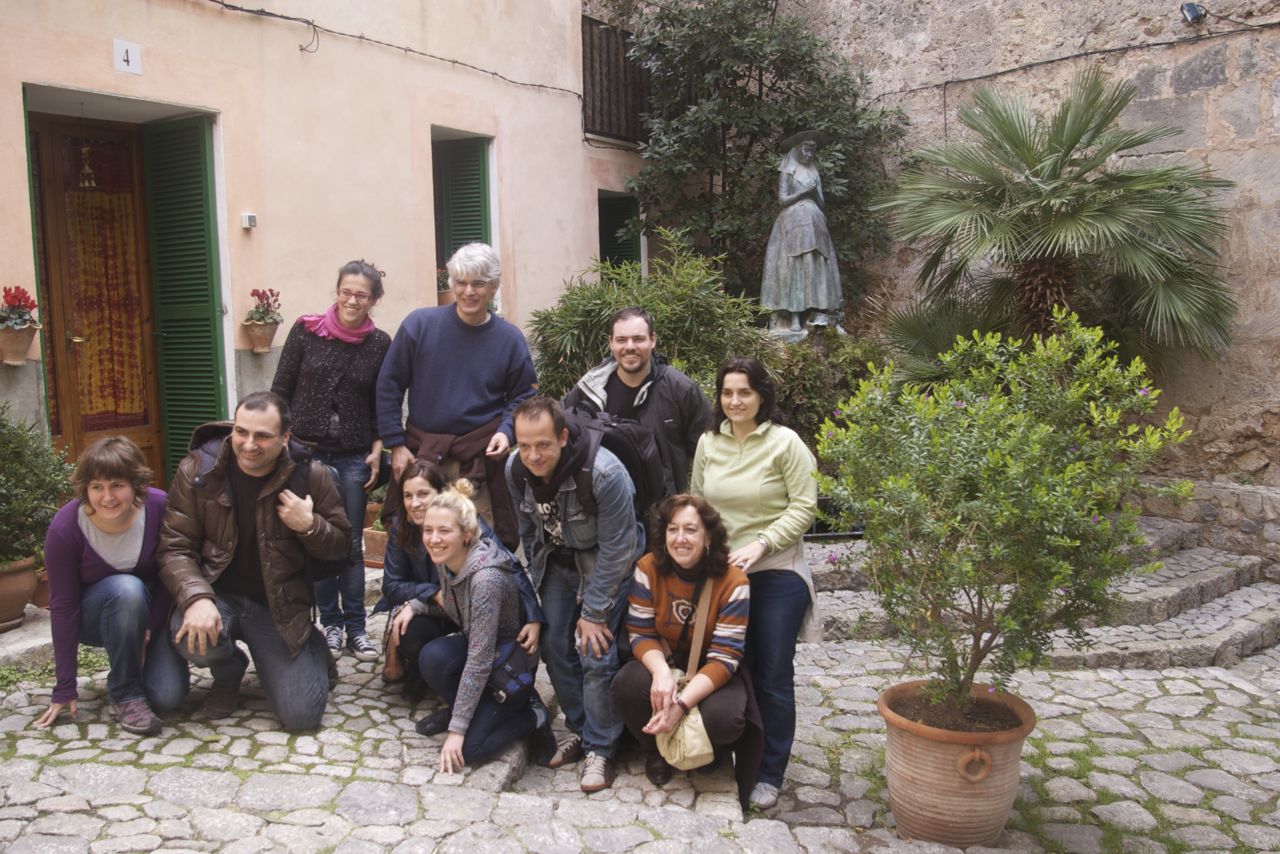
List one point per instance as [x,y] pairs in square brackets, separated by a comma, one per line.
[724,713]
[114,614]
[779,600]
[582,682]
[350,474]
[421,631]
[297,687]
[493,725]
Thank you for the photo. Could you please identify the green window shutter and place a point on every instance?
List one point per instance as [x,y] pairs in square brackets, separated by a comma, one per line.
[182,231]
[614,213]
[461,172]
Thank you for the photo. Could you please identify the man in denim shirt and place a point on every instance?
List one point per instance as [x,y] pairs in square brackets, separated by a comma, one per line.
[581,564]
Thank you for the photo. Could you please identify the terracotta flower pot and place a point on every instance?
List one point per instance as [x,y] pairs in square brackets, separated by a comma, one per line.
[955,788]
[375,547]
[260,334]
[444,297]
[17,583]
[40,597]
[14,344]
[371,512]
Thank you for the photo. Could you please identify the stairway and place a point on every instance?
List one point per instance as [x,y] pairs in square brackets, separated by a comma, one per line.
[1204,606]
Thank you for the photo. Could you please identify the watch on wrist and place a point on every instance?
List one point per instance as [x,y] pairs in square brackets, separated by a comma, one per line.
[680,702]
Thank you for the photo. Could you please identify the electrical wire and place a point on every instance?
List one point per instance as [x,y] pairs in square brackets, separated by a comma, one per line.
[314,45]
[1103,51]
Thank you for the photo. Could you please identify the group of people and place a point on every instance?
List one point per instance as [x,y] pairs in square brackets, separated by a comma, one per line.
[262,523]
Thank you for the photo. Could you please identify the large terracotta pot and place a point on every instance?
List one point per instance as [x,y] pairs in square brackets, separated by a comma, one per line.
[372,511]
[445,297]
[260,335]
[14,344]
[17,583]
[955,788]
[375,547]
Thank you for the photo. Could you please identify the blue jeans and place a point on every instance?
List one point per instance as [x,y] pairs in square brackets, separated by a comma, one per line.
[114,614]
[350,474]
[582,682]
[493,725]
[779,600]
[297,687]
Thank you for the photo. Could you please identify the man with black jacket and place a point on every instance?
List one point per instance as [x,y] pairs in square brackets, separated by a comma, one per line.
[233,552]
[636,383]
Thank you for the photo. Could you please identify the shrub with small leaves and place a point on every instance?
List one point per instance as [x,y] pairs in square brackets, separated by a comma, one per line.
[994,501]
[35,480]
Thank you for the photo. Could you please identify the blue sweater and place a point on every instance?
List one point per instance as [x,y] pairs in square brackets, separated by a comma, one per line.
[459,377]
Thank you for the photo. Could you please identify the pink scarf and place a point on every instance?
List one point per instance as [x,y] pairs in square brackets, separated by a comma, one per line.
[327,325]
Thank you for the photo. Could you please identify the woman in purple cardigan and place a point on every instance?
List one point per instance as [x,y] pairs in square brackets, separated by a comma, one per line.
[104,590]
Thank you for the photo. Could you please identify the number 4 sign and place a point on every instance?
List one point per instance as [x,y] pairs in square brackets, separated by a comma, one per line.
[126,56]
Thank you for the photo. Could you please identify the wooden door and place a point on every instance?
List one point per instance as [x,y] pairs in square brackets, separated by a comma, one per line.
[100,366]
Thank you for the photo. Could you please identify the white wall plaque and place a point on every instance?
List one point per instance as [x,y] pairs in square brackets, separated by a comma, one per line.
[126,56]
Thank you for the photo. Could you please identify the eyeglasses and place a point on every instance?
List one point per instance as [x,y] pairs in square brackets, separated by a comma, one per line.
[347,296]
[474,284]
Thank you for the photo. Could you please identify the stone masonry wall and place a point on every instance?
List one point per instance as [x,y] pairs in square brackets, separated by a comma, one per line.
[1219,81]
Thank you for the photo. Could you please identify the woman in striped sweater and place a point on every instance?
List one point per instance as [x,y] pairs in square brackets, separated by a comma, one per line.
[690,550]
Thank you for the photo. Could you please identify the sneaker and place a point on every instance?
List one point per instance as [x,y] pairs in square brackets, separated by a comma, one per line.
[434,723]
[542,745]
[136,716]
[333,637]
[596,773]
[361,647]
[764,796]
[567,752]
[222,699]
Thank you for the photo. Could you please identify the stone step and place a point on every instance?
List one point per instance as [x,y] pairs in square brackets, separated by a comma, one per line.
[1187,579]
[837,566]
[1217,633]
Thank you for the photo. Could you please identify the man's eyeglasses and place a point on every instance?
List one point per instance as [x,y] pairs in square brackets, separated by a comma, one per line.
[474,284]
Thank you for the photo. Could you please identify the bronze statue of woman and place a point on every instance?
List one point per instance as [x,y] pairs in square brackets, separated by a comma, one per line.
[800,270]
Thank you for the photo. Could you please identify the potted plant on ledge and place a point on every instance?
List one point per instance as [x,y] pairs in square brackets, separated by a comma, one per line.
[263,319]
[18,326]
[34,483]
[995,511]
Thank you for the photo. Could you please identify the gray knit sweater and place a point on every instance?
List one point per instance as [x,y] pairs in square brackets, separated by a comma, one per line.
[483,599]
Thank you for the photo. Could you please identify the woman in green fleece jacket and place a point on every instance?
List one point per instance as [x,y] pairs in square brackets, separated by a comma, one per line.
[759,475]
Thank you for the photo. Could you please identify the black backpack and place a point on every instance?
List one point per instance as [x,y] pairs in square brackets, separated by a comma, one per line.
[633,444]
[317,569]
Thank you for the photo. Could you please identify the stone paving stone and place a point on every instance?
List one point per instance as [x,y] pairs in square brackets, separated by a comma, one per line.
[1126,815]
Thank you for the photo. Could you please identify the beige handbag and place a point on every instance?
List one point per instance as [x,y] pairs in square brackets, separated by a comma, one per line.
[688,745]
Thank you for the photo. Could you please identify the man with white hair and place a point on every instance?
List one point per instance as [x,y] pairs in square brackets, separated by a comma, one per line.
[465,370]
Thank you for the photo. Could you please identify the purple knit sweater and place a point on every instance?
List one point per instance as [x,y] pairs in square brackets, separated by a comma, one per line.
[73,565]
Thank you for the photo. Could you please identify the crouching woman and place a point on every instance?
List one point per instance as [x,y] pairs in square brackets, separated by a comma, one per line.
[100,555]
[690,551]
[478,593]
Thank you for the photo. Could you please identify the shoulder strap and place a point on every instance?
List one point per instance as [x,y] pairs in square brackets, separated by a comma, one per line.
[699,629]
[299,479]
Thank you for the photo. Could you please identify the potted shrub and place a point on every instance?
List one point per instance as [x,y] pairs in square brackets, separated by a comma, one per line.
[263,319]
[375,544]
[994,508]
[17,325]
[35,480]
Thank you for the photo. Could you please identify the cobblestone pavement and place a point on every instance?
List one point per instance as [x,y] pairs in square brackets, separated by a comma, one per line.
[1122,760]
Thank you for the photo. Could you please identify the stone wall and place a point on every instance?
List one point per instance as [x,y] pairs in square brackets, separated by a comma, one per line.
[1218,80]
[1233,517]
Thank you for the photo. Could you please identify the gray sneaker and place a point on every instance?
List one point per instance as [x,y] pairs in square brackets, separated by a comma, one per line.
[764,796]
[333,637]
[361,647]
[596,773]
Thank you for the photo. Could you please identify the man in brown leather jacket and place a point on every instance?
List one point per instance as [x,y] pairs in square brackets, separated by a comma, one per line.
[233,551]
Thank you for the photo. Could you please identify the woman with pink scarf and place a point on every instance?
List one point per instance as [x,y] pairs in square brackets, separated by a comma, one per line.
[327,372]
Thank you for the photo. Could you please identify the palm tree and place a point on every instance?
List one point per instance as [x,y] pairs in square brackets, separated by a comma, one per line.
[1028,213]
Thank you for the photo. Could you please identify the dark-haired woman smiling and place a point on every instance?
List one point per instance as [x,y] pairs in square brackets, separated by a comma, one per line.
[690,551]
[759,475]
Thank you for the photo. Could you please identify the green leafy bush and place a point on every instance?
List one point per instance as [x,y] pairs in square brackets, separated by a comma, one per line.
[814,374]
[993,501]
[697,321]
[35,480]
